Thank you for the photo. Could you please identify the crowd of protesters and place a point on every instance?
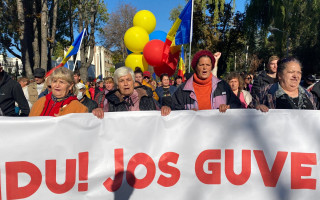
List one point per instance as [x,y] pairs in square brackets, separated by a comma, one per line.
[63,92]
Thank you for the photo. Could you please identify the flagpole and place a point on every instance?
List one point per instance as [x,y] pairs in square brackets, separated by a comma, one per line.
[191,30]
[75,62]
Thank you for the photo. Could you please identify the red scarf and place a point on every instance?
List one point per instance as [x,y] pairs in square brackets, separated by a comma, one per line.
[52,105]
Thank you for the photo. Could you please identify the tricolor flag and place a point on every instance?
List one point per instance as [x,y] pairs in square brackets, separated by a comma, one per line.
[183,24]
[182,69]
[73,50]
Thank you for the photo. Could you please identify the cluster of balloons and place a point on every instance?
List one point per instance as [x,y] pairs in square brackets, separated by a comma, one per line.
[141,38]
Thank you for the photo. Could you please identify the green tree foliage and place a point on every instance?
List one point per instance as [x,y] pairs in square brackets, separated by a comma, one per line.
[9,37]
[92,15]
[217,27]
[299,22]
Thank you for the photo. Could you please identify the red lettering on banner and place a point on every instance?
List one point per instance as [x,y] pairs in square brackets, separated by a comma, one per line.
[51,174]
[215,176]
[270,178]
[114,185]
[12,170]
[141,159]
[164,167]
[83,171]
[297,159]
[243,177]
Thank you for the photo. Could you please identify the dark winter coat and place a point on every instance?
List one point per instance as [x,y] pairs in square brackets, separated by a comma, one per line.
[260,82]
[89,103]
[11,92]
[117,103]
[160,91]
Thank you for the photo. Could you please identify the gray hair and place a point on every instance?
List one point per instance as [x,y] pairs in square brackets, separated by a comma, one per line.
[283,63]
[123,71]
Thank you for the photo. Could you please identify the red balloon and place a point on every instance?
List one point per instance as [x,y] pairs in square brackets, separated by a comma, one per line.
[152,52]
[165,68]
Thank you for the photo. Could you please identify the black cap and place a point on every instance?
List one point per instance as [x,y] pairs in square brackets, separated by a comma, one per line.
[311,77]
[39,72]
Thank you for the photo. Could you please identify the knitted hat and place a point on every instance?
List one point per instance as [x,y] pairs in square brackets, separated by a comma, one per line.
[200,54]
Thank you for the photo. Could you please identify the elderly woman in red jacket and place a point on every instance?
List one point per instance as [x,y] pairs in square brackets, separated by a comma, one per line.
[61,100]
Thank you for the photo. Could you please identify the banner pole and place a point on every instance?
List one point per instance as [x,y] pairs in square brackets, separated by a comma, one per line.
[191,31]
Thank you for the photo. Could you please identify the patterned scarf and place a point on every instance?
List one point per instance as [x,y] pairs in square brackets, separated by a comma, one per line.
[53,104]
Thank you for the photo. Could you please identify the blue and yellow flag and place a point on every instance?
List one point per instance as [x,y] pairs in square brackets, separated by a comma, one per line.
[183,33]
[184,19]
[73,50]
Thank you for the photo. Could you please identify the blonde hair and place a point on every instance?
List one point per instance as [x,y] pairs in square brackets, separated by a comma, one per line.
[64,74]
[272,58]
[108,80]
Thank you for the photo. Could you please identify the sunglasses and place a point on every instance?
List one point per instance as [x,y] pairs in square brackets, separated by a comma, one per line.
[49,86]
[146,77]
[248,78]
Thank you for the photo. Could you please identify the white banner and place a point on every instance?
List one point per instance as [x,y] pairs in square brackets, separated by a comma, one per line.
[241,154]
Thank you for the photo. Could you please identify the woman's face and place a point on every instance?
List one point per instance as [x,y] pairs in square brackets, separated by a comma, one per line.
[290,78]
[204,67]
[125,85]
[109,85]
[138,77]
[247,80]
[165,81]
[234,84]
[60,87]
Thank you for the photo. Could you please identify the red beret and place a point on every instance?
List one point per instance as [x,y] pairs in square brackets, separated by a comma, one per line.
[200,54]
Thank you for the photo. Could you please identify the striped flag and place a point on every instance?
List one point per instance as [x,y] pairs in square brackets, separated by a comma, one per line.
[73,50]
[184,19]
[182,69]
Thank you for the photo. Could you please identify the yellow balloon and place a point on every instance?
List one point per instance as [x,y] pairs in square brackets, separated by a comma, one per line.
[136,60]
[136,38]
[146,20]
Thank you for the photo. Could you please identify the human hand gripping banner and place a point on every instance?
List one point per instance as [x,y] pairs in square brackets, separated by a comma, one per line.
[241,154]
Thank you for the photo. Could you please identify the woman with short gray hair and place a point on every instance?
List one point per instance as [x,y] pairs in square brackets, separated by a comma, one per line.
[127,97]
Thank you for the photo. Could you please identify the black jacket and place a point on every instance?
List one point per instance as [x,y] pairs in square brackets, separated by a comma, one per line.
[117,103]
[89,103]
[261,81]
[11,92]
[316,93]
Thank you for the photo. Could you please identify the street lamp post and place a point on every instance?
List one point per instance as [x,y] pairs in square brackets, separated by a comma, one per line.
[17,69]
[287,33]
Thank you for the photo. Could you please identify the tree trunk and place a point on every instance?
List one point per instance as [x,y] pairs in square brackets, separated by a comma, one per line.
[35,43]
[23,31]
[52,34]
[91,42]
[44,34]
